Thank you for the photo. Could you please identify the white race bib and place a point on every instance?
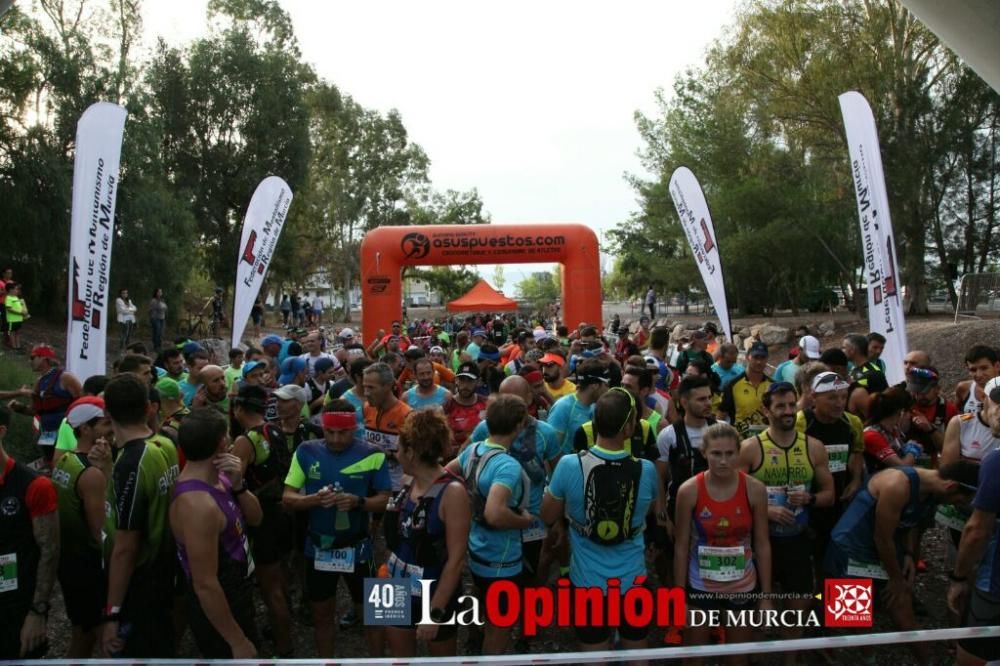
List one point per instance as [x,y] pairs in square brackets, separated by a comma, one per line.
[398,567]
[860,569]
[950,517]
[47,437]
[8,572]
[340,559]
[534,533]
[838,454]
[722,564]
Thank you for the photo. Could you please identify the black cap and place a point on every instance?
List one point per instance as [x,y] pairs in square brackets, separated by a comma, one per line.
[251,395]
[469,370]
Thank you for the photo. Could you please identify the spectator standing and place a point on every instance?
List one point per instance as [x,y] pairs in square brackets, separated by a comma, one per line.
[257,316]
[17,311]
[157,317]
[126,317]
[317,306]
[651,302]
[286,309]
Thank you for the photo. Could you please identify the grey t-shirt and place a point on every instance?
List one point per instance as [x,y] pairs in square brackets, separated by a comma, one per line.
[667,440]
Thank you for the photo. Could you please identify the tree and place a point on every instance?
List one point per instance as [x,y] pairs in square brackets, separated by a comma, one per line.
[498,278]
[233,112]
[541,288]
[760,125]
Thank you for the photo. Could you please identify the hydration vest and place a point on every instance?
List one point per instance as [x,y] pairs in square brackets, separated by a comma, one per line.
[471,472]
[610,494]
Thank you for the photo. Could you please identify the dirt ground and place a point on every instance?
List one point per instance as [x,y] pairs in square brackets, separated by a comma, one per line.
[945,341]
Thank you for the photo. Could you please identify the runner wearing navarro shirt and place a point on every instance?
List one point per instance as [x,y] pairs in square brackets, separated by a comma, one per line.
[138,548]
[592,483]
[338,480]
[210,510]
[722,547]
[497,486]
[384,415]
[794,468]
[742,398]
[427,532]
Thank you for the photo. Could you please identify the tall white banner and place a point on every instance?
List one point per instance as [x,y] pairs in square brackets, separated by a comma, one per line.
[261,229]
[95,184]
[885,308]
[689,199]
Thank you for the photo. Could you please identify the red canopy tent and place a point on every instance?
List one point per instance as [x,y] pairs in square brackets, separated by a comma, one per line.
[482,298]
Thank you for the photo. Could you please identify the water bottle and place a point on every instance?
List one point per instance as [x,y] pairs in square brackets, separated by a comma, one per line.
[343,520]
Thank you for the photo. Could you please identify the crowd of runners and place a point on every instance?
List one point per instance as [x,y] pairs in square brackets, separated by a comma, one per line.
[468,452]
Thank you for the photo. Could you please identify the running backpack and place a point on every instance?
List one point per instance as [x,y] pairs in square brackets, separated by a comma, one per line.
[471,472]
[610,494]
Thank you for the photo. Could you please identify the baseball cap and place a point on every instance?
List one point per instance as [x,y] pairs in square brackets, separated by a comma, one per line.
[323,364]
[480,332]
[651,362]
[593,377]
[809,345]
[921,380]
[191,348]
[84,409]
[710,327]
[290,369]
[43,351]
[250,366]
[437,349]
[168,388]
[992,389]
[825,382]
[758,348]
[538,333]
[271,340]
[552,358]
[780,387]
[699,335]
[468,370]
[291,392]
[346,332]
[490,353]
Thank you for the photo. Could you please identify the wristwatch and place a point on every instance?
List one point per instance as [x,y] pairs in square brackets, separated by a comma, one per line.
[41,608]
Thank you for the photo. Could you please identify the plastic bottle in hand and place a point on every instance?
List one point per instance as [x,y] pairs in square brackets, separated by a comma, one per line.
[343,521]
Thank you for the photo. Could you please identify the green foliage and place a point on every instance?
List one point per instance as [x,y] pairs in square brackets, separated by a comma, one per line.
[20,439]
[541,288]
[450,282]
[207,122]
[760,126]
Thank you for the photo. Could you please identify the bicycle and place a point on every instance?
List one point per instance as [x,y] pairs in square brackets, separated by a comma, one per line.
[194,326]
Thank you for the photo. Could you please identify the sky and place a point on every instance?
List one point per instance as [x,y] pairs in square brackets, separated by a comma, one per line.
[531,103]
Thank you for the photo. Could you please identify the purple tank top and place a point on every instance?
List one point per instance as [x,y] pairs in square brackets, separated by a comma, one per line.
[233,543]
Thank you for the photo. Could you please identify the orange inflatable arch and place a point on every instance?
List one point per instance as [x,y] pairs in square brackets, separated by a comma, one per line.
[386,250]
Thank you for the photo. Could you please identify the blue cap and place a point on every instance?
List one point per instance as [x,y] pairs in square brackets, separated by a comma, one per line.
[290,369]
[250,366]
[758,349]
[191,348]
[271,340]
[479,331]
[323,364]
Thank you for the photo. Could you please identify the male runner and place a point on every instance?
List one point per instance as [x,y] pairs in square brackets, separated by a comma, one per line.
[983,363]
[384,414]
[209,514]
[467,408]
[552,364]
[572,411]
[338,480]
[29,552]
[742,399]
[138,548]
[82,489]
[795,469]
[425,394]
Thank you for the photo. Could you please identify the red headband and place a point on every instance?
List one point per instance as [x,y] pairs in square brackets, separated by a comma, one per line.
[340,420]
[533,377]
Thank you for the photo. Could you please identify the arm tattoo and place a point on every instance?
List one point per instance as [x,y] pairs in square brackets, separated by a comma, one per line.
[46,532]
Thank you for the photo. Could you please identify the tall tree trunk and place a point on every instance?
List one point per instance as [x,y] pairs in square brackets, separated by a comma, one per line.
[347,292]
[914,270]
